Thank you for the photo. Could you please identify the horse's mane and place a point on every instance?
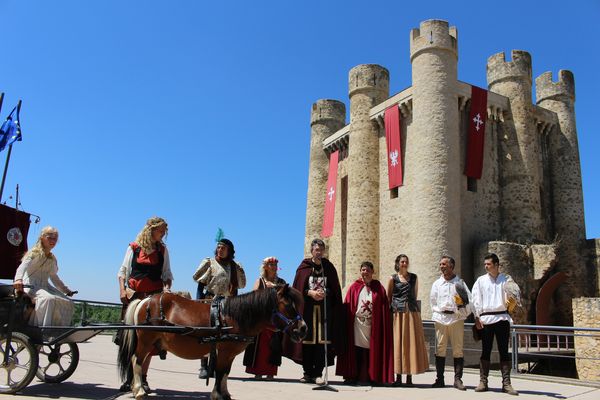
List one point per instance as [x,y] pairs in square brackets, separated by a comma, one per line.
[248,309]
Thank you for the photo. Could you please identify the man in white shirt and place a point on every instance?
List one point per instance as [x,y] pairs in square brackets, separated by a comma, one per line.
[491,307]
[449,314]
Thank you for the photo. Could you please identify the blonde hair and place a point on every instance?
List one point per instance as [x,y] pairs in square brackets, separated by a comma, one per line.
[268,260]
[144,238]
[38,248]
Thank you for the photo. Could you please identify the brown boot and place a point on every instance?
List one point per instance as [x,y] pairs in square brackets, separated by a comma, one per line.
[506,386]
[458,373]
[484,371]
[440,362]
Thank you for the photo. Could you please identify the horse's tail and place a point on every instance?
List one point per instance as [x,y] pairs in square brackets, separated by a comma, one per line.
[128,342]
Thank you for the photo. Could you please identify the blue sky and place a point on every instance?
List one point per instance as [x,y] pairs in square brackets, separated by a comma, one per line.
[198,111]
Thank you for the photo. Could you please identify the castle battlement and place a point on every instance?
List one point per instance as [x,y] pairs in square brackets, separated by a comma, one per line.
[433,34]
[563,89]
[368,78]
[498,69]
[325,110]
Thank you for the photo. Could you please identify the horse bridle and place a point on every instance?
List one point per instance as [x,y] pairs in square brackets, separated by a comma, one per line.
[287,321]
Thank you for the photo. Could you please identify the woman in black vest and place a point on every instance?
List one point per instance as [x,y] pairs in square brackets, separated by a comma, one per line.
[146,270]
[410,356]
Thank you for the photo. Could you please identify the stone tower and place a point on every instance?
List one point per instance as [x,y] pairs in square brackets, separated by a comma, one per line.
[520,174]
[565,176]
[326,117]
[435,184]
[368,85]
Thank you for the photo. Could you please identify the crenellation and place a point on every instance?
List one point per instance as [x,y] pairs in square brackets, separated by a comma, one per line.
[498,69]
[433,34]
[563,88]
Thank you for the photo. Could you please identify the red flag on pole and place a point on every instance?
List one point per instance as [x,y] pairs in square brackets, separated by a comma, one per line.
[476,133]
[394,146]
[330,196]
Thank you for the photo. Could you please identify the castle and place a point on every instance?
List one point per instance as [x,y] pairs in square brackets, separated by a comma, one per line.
[527,207]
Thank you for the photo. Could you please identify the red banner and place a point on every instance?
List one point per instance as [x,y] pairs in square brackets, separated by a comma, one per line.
[394,146]
[14,226]
[476,133]
[330,196]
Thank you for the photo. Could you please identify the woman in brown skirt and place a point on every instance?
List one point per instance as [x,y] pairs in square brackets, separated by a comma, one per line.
[410,353]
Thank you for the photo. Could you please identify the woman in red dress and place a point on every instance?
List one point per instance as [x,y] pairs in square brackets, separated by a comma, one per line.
[263,356]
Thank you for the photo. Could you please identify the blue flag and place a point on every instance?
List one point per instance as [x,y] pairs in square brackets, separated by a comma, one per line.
[10,131]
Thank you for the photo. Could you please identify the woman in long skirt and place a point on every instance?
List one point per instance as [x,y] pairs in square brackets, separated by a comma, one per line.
[264,355]
[410,353]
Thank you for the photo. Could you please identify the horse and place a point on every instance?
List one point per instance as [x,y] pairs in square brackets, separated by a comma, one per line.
[246,314]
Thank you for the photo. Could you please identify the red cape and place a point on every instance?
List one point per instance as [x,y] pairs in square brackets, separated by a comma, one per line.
[381,355]
[335,322]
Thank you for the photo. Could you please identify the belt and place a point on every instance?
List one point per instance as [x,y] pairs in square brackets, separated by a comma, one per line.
[447,312]
[493,313]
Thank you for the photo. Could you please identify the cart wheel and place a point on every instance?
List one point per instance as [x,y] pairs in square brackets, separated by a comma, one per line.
[57,362]
[22,363]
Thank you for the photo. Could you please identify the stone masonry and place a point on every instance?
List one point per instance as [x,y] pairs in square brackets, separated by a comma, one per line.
[527,206]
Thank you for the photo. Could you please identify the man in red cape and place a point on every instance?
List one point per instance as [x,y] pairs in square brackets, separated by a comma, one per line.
[316,277]
[368,356]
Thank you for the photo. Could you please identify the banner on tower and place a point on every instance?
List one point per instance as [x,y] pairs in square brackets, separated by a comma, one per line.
[476,133]
[330,196]
[394,146]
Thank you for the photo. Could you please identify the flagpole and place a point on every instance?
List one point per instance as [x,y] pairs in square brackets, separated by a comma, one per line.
[7,157]
[18,108]
[5,170]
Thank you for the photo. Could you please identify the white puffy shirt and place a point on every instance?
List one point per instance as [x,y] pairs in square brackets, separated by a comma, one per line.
[441,299]
[489,296]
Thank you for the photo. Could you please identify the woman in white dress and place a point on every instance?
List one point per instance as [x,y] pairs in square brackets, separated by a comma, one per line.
[52,306]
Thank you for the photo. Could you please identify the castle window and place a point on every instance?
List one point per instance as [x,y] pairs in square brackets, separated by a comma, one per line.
[394,193]
[471,184]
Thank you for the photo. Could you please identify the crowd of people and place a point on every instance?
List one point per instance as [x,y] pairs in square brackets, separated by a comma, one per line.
[376,332]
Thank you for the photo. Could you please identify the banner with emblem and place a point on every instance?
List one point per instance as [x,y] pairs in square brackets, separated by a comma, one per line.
[14,226]
[330,196]
[476,133]
[394,146]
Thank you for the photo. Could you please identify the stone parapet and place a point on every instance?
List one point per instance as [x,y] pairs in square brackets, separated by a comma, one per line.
[564,88]
[587,348]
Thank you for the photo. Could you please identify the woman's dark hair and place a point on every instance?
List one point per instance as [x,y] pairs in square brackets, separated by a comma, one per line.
[368,264]
[397,262]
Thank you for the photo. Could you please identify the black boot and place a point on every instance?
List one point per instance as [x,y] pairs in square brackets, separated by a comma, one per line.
[458,373]
[203,374]
[440,362]
[506,386]
[409,381]
[484,371]
[398,381]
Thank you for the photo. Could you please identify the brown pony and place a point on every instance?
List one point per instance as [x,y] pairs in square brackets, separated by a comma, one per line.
[247,314]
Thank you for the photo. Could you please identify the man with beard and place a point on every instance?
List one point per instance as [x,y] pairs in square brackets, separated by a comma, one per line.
[317,279]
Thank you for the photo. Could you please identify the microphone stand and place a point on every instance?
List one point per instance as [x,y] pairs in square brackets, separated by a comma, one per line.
[326,386]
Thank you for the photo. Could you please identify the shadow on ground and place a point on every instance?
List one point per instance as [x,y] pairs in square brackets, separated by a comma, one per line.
[92,391]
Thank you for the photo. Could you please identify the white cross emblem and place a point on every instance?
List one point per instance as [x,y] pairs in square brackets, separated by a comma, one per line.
[330,193]
[394,157]
[477,121]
